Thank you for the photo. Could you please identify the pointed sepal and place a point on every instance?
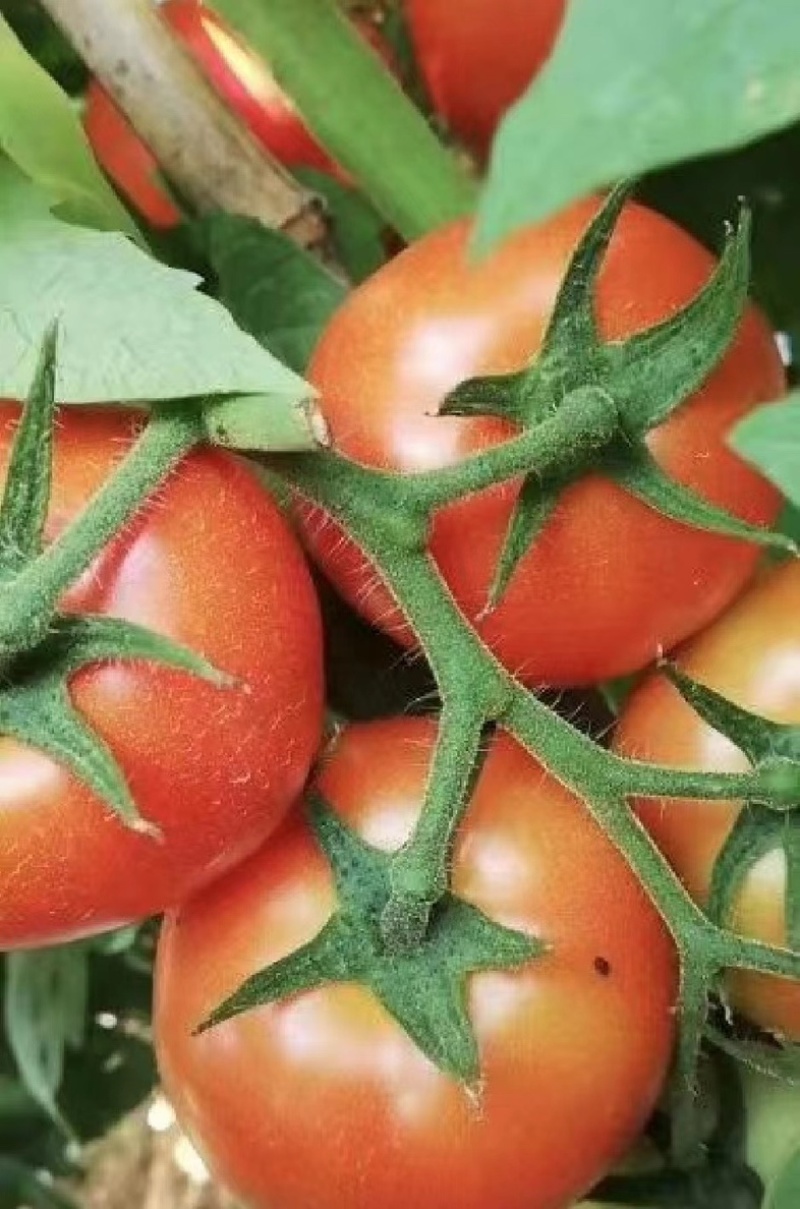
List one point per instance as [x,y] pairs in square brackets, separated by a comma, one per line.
[656,370]
[502,396]
[756,832]
[23,511]
[534,506]
[36,707]
[635,470]
[758,737]
[424,989]
[572,335]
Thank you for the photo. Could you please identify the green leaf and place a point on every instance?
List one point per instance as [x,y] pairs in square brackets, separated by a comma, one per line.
[633,86]
[129,328]
[784,1193]
[769,438]
[41,132]
[275,291]
[45,1005]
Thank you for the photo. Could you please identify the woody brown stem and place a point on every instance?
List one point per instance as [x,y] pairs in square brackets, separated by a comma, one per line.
[202,147]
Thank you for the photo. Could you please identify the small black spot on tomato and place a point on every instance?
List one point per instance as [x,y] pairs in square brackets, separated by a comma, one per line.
[603,966]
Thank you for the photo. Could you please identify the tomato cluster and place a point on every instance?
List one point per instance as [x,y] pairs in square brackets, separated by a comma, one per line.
[324,1096]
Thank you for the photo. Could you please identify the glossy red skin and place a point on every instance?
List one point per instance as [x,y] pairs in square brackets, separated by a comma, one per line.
[127,160]
[609,582]
[477,57]
[324,1101]
[752,655]
[241,78]
[211,563]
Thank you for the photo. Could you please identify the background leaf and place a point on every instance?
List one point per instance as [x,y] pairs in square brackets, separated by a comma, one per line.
[785,1192]
[770,439]
[41,132]
[44,1006]
[275,291]
[632,86]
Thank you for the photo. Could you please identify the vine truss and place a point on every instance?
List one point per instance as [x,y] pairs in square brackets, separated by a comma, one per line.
[583,404]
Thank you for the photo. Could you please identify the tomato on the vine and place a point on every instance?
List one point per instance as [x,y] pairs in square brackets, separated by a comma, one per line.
[211,563]
[323,1100]
[241,78]
[750,655]
[609,582]
[478,57]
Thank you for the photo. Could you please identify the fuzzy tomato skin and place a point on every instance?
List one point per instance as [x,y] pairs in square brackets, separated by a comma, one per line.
[752,655]
[477,58]
[323,1100]
[211,563]
[241,78]
[609,582]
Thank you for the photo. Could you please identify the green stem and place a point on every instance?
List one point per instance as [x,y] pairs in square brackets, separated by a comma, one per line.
[33,598]
[635,779]
[466,670]
[585,423]
[357,110]
[420,870]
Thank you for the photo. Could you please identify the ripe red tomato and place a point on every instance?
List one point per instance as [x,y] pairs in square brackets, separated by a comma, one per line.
[477,58]
[609,581]
[751,655]
[211,563]
[241,78]
[323,1100]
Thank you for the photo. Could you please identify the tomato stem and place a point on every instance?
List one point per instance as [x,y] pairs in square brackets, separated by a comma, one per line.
[564,443]
[419,872]
[357,109]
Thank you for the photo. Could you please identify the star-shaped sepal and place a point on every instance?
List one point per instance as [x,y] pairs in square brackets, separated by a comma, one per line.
[35,703]
[36,707]
[647,376]
[425,989]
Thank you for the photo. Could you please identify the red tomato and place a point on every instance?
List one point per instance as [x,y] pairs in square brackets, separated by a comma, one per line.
[241,78]
[211,563]
[752,656]
[609,582]
[323,1100]
[477,57]
[126,160]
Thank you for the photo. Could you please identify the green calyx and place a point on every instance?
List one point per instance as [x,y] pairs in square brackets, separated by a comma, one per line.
[644,379]
[765,824]
[425,988]
[40,647]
